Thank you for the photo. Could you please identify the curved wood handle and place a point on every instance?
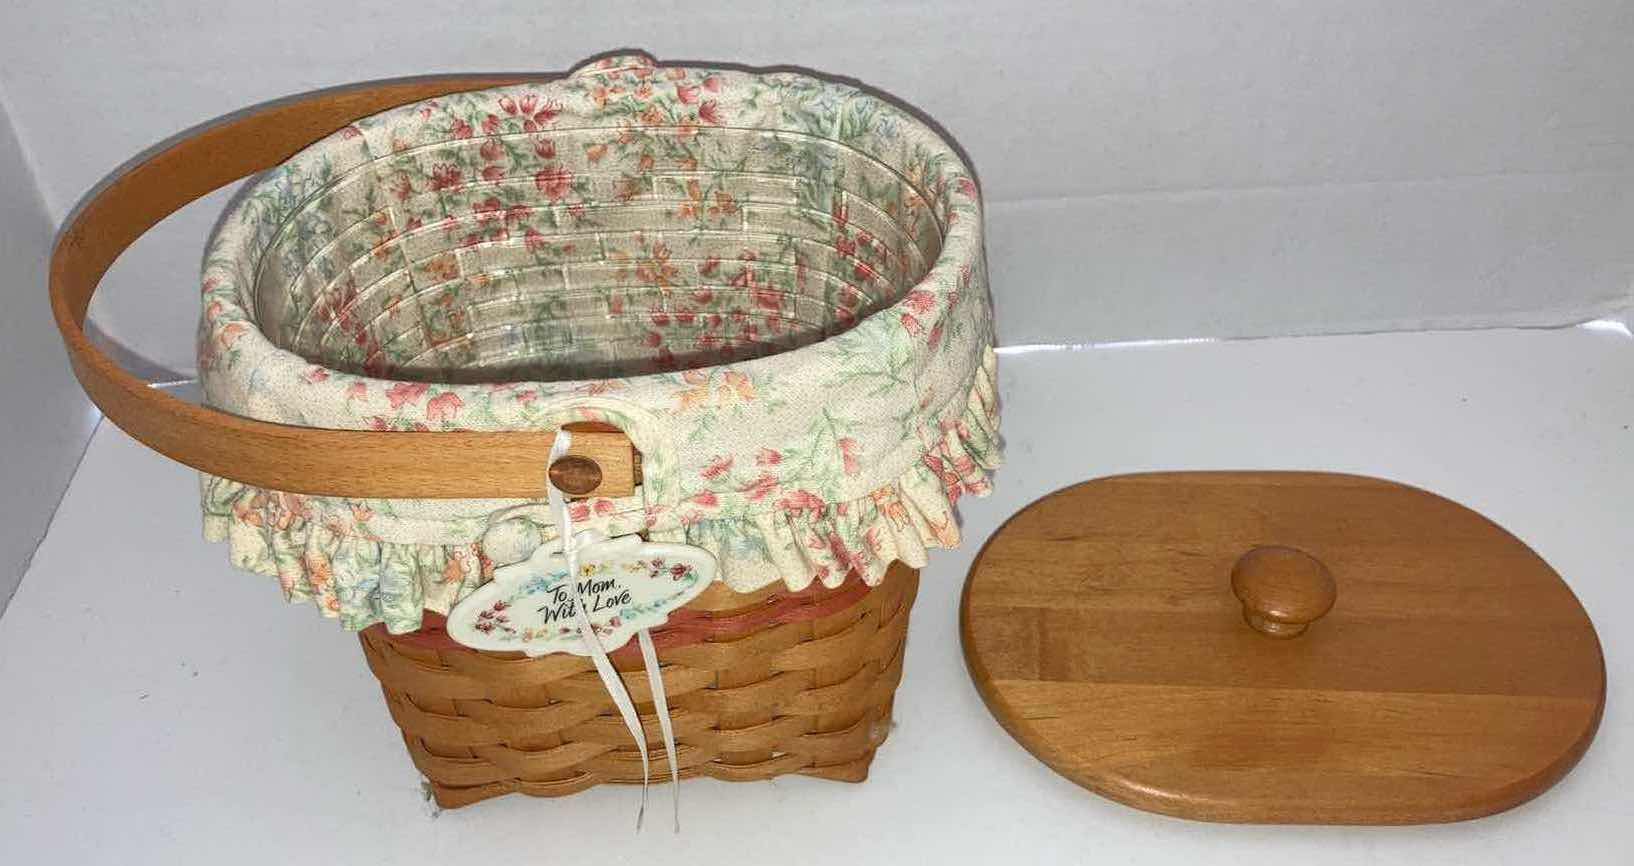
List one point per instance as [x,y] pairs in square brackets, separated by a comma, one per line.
[359,464]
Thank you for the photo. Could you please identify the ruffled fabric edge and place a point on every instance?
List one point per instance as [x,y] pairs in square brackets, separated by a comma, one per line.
[353,578]
[362,580]
[897,522]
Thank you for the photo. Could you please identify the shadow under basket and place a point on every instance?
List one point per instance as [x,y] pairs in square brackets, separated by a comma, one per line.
[759,685]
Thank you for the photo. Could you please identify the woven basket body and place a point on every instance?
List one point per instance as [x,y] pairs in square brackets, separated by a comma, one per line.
[807,690]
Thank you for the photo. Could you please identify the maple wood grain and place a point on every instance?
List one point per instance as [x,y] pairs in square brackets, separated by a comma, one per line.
[1455,675]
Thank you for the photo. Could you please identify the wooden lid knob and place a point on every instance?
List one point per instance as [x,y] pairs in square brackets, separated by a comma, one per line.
[575,475]
[1283,590]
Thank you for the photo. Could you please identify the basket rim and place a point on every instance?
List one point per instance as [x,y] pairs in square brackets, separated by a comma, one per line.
[960,225]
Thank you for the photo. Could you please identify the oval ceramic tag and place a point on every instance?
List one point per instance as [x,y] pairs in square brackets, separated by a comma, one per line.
[627,585]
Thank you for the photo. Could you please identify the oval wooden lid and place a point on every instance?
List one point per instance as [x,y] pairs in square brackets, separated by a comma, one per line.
[1437,668]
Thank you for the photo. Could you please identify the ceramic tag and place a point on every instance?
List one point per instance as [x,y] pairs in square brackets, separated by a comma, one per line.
[627,585]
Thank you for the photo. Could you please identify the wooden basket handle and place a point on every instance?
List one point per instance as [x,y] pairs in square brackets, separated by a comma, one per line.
[356,464]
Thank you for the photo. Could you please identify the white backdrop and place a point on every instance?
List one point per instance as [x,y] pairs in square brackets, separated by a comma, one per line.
[44,419]
[1154,169]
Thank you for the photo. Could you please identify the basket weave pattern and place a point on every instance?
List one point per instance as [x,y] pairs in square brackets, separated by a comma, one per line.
[809,696]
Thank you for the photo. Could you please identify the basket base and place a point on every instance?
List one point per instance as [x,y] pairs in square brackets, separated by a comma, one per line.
[810,697]
[453,797]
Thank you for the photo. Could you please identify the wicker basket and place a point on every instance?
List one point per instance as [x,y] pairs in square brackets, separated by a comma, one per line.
[759,686]
[763,292]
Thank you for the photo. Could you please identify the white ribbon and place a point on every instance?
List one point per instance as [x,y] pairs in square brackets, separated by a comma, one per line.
[598,654]
[655,679]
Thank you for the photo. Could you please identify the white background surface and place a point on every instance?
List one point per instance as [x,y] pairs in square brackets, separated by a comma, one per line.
[1154,169]
[163,708]
[44,419]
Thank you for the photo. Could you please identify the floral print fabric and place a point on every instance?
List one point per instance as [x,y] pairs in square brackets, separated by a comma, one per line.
[774,284]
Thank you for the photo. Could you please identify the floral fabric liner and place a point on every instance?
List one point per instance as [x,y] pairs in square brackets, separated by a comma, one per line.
[774,284]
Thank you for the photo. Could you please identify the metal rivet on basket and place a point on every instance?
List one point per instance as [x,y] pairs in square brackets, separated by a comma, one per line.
[575,475]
